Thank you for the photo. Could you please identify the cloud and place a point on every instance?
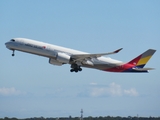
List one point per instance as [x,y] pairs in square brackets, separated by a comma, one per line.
[131,92]
[9,91]
[115,89]
[112,90]
[93,83]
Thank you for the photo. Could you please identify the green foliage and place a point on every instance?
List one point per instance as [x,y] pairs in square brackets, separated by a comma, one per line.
[87,118]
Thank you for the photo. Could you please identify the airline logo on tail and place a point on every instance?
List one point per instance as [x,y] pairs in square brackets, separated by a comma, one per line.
[137,64]
[142,59]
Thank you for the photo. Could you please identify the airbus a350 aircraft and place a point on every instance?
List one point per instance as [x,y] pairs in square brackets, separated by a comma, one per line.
[59,55]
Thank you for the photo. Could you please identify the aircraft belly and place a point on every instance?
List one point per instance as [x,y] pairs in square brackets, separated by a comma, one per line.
[100,66]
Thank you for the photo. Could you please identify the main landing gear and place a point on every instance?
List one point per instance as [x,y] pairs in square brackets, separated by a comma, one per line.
[75,68]
[13,53]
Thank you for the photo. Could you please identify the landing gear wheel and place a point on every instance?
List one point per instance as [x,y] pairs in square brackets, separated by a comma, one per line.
[80,69]
[13,53]
[71,70]
[75,68]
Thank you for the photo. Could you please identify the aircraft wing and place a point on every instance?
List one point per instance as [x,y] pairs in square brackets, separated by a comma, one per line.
[86,56]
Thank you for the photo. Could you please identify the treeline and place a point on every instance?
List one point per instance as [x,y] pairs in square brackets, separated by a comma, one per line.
[87,118]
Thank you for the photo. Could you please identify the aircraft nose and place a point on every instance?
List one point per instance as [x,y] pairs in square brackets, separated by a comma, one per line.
[7,44]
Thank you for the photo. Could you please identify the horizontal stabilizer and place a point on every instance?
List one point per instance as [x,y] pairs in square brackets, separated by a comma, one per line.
[142,69]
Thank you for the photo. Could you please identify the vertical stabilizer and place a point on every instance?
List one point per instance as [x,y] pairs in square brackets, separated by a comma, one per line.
[142,59]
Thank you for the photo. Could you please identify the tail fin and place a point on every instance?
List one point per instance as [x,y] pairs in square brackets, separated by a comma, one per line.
[142,59]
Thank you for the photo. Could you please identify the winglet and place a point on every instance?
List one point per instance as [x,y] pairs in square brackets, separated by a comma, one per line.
[118,50]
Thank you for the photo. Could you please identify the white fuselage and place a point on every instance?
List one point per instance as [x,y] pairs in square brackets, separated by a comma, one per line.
[51,51]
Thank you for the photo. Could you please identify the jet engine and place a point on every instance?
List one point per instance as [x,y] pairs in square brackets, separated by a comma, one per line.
[63,58]
[54,62]
[60,59]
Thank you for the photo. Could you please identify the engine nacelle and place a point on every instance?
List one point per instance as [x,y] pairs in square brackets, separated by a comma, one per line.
[63,58]
[60,59]
[54,62]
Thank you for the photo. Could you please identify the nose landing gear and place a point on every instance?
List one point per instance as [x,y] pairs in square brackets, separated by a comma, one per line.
[13,53]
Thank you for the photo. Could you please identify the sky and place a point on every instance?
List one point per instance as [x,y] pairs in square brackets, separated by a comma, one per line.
[31,87]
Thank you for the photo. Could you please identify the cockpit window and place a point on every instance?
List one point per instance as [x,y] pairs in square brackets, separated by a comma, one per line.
[12,40]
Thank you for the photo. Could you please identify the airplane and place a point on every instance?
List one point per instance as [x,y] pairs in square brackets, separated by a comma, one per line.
[60,55]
